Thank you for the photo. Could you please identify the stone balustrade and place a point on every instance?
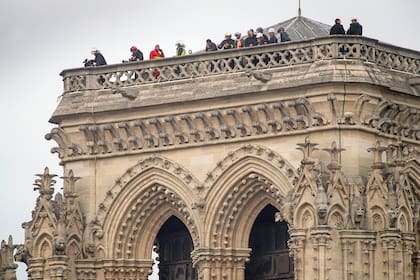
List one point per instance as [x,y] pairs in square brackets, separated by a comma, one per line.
[243,60]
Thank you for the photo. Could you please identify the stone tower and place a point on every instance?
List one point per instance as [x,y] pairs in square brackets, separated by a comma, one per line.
[287,161]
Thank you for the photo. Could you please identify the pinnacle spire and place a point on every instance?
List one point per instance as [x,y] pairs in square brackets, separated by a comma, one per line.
[299,10]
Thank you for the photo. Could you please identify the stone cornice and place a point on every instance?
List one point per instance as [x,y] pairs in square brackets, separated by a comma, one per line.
[235,124]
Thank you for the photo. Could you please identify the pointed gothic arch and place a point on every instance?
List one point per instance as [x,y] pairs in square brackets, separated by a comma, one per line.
[141,201]
[43,246]
[268,240]
[242,184]
[174,247]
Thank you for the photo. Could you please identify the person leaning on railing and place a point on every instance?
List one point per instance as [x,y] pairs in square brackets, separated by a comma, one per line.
[227,43]
[272,39]
[355,28]
[97,61]
[136,54]
[337,28]
[283,35]
[251,40]
[210,46]
[156,53]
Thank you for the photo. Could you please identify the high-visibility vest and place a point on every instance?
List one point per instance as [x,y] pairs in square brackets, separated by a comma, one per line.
[183,53]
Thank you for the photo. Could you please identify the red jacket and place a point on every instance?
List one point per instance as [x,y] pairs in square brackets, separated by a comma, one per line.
[156,54]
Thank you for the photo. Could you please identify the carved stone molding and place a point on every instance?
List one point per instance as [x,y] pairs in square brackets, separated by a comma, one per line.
[264,153]
[188,129]
[219,263]
[154,162]
[389,117]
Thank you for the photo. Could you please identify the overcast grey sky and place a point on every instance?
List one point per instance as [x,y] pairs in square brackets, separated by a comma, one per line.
[41,38]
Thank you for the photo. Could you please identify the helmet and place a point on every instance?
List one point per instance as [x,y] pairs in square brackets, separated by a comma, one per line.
[133,48]
[271,30]
[237,34]
[259,35]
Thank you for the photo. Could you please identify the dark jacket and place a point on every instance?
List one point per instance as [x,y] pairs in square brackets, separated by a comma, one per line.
[137,56]
[337,29]
[227,44]
[284,37]
[251,41]
[99,59]
[355,29]
[272,40]
[211,48]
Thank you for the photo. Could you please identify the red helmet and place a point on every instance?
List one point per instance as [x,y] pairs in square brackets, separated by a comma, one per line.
[133,48]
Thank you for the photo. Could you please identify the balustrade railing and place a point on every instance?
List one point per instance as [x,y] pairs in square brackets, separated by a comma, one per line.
[241,60]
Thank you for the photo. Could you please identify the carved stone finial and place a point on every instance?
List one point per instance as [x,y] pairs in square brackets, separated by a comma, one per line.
[377,155]
[321,196]
[69,184]
[307,149]
[7,263]
[395,156]
[392,201]
[44,184]
[335,154]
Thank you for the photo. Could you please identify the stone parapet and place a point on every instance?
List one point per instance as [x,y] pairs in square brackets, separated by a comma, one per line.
[244,60]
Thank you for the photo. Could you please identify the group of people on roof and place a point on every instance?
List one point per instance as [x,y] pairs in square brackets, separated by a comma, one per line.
[354,29]
[136,55]
[258,38]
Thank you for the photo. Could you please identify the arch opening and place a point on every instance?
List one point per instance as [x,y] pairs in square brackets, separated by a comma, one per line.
[270,253]
[174,245]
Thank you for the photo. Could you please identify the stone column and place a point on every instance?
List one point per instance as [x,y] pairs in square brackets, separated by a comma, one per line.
[296,245]
[358,248]
[36,268]
[321,238]
[86,269]
[408,249]
[391,240]
[416,262]
[220,264]
[57,267]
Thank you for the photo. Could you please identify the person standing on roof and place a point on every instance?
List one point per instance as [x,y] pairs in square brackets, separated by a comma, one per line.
[261,30]
[180,49]
[210,46]
[136,54]
[227,43]
[260,39]
[284,37]
[251,40]
[99,59]
[156,53]
[337,28]
[272,39]
[355,28]
[239,42]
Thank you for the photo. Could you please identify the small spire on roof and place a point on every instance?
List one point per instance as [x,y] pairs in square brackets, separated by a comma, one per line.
[299,10]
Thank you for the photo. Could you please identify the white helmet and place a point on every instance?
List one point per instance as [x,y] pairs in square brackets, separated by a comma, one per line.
[259,35]
[271,30]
